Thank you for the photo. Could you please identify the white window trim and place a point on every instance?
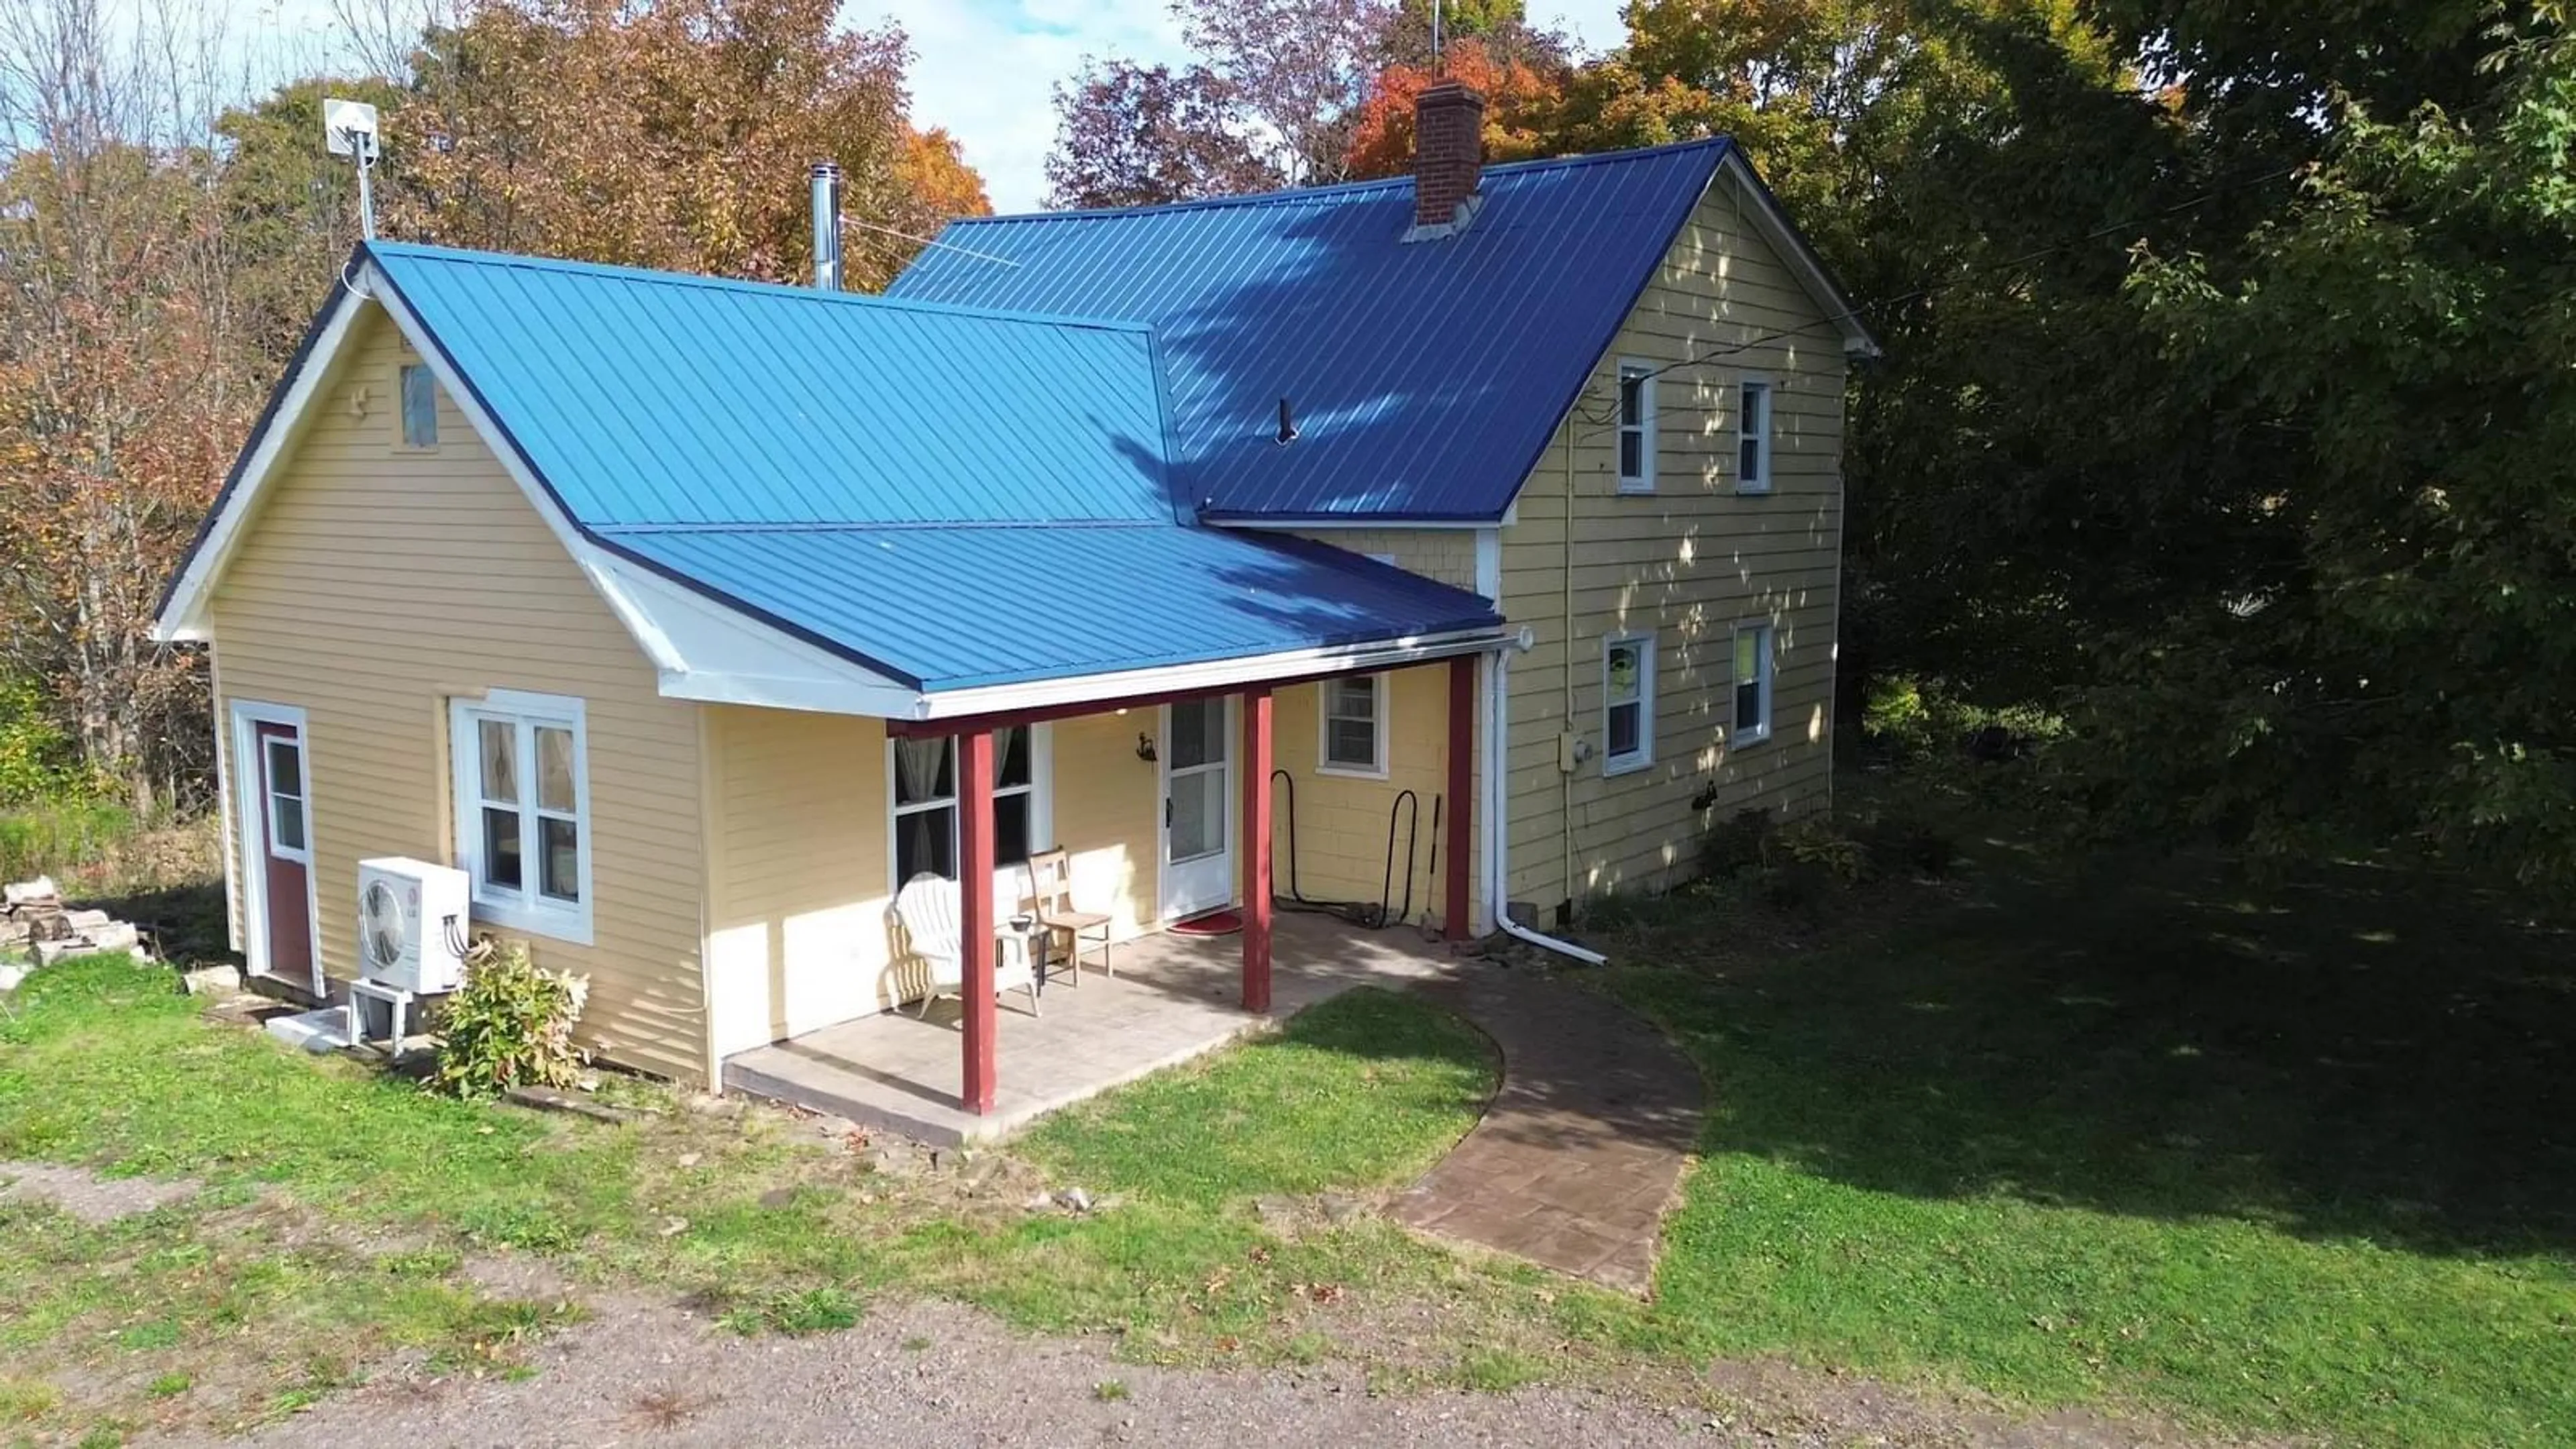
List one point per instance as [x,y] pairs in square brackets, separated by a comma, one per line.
[1644,754]
[303,798]
[1740,734]
[402,408]
[246,716]
[1761,481]
[529,910]
[1644,427]
[1007,878]
[1324,762]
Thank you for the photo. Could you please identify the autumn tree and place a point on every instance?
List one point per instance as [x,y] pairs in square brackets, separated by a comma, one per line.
[672,135]
[1273,98]
[934,170]
[1139,135]
[122,384]
[1524,98]
[1298,68]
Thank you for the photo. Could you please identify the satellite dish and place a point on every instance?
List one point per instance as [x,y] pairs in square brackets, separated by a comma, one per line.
[348,126]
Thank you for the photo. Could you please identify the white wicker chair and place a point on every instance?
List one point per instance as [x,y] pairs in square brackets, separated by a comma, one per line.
[926,908]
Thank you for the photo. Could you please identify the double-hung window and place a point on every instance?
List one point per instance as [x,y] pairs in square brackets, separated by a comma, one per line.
[418,387]
[1752,683]
[1627,703]
[925,803]
[1753,435]
[1354,727]
[1636,427]
[521,769]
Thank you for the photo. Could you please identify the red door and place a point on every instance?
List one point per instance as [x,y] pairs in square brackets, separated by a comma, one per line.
[286,852]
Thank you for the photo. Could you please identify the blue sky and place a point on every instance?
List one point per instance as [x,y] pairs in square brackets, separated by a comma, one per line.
[986,69]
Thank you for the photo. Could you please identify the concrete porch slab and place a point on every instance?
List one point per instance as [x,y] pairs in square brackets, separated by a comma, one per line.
[1174,998]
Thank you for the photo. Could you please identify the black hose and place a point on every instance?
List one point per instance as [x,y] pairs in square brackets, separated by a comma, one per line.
[1294,894]
[1358,913]
[1412,842]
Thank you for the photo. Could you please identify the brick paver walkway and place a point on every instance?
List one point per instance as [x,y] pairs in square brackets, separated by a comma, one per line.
[1581,1150]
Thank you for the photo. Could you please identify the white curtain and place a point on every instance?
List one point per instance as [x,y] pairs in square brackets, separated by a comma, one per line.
[916,767]
[1002,741]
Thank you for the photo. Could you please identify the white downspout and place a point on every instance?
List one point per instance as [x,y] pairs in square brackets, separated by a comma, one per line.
[1497,749]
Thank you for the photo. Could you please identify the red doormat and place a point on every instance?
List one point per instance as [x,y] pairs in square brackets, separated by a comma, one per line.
[1213,923]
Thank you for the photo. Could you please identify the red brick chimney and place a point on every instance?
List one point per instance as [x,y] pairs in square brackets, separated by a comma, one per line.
[1448,151]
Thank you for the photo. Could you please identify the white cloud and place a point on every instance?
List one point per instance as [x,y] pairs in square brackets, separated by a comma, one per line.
[987,69]
[1595,24]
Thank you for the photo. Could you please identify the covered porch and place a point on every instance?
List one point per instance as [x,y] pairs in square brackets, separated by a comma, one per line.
[1174,997]
[1208,838]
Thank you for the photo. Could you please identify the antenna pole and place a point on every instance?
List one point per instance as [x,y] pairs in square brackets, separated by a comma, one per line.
[1438,50]
[365,148]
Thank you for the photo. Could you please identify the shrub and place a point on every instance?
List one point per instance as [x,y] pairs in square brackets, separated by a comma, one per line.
[1814,842]
[1901,846]
[509,1025]
[37,761]
[1795,888]
[1736,846]
[60,837]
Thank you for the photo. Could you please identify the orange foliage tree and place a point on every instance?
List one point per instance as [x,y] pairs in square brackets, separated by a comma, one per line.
[671,135]
[936,173]
[122,392]
[1523,96]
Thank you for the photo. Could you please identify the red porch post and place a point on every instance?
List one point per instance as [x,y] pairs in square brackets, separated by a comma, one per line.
[1256,849]
[1462,788]
[975,913]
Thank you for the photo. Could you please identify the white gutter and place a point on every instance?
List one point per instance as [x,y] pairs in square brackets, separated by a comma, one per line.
[1497,749]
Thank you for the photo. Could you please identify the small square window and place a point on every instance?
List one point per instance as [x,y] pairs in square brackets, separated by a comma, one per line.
[1627,703]
[1354,727]
[419,406]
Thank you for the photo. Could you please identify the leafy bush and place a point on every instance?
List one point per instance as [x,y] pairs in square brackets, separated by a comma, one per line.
[509,1025]
[1736,846]
[60,837]
[1899,845]
[37,761]
[1814,842]
[1795,888]
[1911,718]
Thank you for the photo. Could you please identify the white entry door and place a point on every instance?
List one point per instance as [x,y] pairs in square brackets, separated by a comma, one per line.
[1198,806]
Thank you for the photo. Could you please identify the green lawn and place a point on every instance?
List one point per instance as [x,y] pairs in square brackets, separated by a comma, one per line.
[342,1207]
[2289,1159]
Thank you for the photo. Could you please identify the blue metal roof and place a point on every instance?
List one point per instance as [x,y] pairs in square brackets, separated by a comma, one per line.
[950,608]
[659,397]
[1425,378]
[950,496]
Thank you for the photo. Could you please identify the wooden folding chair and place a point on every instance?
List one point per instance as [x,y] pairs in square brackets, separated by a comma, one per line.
[1051,882]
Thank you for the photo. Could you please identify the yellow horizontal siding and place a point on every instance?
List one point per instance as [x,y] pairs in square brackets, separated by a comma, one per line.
[375,584]
[1444,554]
[798,928]
[1688,562]
[1340,844]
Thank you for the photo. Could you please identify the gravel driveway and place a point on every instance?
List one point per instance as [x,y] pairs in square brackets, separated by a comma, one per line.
[928,1373]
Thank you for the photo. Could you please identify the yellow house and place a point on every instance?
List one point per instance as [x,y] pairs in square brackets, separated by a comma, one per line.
[1453,548]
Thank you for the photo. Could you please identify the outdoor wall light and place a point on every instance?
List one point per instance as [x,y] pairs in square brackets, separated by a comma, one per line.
[1145,748]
